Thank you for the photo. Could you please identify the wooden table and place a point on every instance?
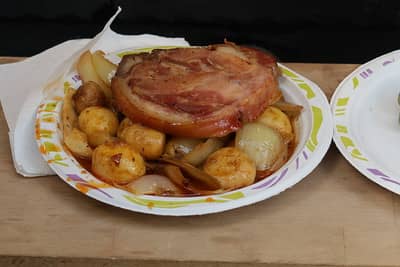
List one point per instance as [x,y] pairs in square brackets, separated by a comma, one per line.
[334,217]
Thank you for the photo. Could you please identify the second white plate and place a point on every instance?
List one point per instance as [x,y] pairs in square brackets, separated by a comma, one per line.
[366,120]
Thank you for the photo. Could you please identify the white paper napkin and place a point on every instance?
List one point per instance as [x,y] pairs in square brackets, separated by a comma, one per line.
[23,83]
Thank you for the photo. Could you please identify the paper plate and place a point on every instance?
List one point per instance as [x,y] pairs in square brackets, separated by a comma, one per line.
[366,120]
[315,134]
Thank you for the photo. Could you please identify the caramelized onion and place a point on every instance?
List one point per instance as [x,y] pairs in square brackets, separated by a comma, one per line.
[200,153]
[195,173]
[178,147]
[175,175]
[292,110]
[153,184]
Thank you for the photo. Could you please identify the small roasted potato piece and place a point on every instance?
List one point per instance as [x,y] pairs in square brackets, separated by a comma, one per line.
[99,123]
[117,163]
[88,94]
[124,123]
[149,142]
[87,72]
[261,143]
[232,167]
[77,143]
[104,68]
[276,119]
[177,147]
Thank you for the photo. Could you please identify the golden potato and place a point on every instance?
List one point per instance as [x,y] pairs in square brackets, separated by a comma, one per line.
[117,162]
[124,123]
[261,143]
[77,142]
[150,143]
[99,123]
[88,73]
[88,94]
[232,167]
[276,119]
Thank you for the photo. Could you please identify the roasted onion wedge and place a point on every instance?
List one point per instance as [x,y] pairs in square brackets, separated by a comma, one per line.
[178,147]
[194,173]
[292,110]
[103,67]
[175,174]
[200,152]
[87,72]
[153,184]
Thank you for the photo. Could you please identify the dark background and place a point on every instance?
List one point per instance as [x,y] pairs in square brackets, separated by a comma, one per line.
[295,31]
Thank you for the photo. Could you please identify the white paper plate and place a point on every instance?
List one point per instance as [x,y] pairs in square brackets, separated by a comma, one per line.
[315,136]
[366,120]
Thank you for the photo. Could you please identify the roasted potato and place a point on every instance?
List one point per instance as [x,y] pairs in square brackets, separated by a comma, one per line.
[276,119]
[88,73]
[150,143]
[77,142]
[88,94]
[261,143]
[99,123]
[104,68]
[124,123]
[232,167]
[117,163]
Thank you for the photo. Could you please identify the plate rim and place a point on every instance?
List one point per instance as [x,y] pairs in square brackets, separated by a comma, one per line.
[372,173]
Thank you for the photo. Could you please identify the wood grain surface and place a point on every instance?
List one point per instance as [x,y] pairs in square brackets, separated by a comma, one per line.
[334,217]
